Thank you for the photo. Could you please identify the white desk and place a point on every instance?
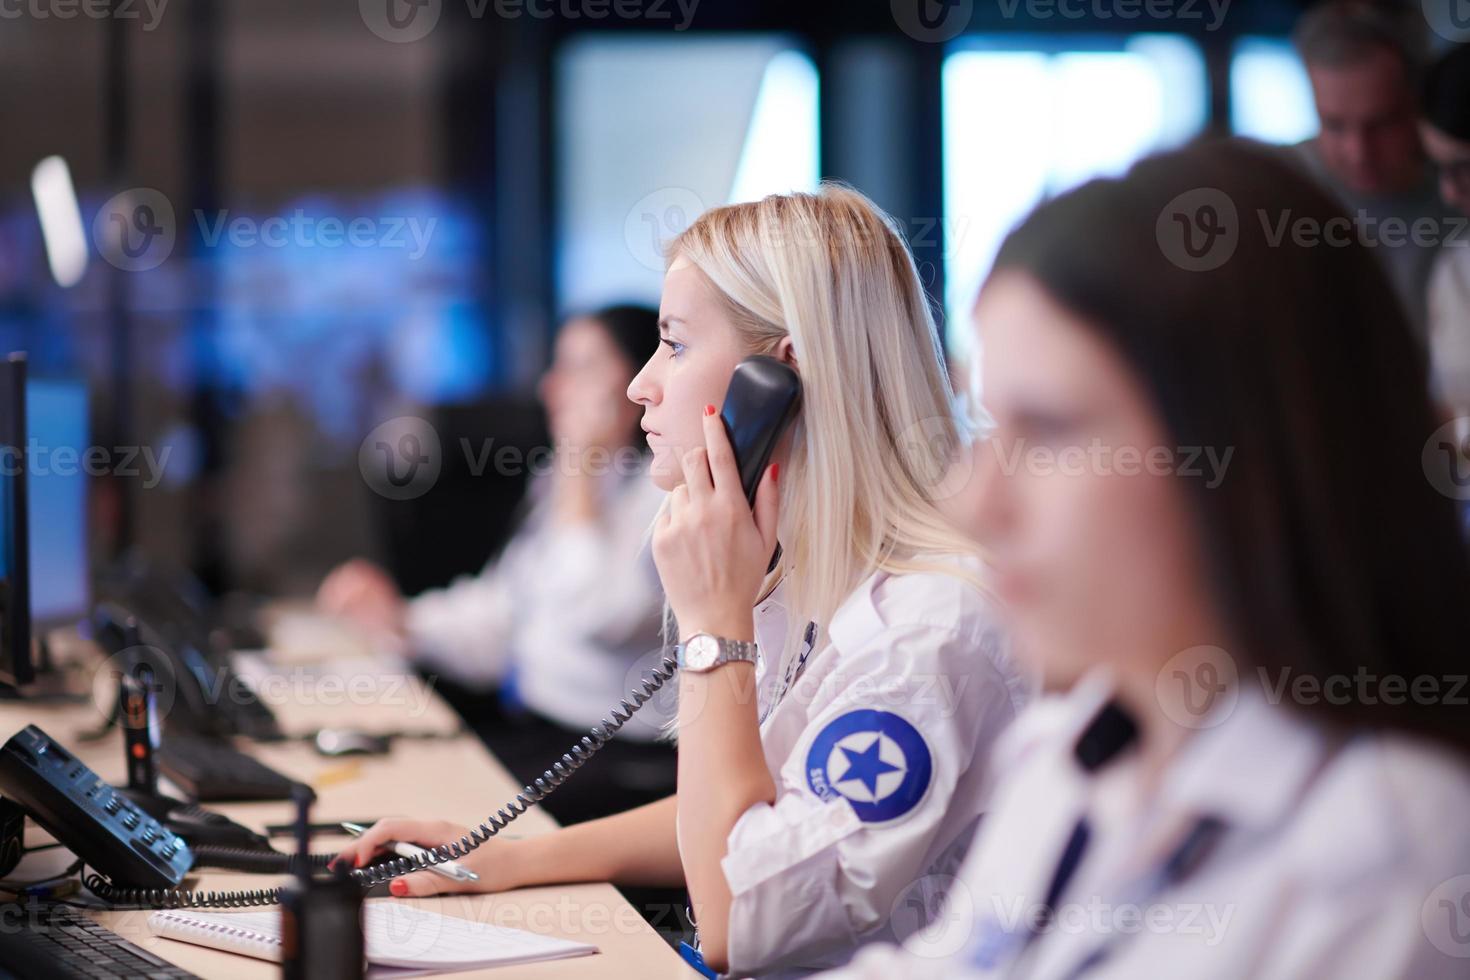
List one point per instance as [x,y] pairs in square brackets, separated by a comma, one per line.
[453,779]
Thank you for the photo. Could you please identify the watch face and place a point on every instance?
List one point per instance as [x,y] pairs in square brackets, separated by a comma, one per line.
[700,652]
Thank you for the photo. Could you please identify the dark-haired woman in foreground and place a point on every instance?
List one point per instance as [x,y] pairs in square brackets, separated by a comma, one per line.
[1207,497]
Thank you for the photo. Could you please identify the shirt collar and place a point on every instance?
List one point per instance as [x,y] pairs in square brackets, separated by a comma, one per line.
[770,626]
[1264,768]
[1251,766]
[854,623]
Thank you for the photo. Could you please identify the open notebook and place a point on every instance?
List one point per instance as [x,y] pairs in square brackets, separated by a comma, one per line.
[397,934]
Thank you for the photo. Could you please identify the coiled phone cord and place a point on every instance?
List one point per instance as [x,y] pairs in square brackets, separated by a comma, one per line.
[538,790]
[255,861]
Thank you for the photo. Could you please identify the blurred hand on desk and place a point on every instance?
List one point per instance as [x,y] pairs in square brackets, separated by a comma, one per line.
[362,592]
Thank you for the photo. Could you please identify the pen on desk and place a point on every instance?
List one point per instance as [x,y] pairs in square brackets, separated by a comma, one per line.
[330,827]
[447,869]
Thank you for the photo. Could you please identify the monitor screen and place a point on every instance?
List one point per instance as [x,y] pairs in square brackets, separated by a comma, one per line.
[9,462]
[57,460]
[15,606]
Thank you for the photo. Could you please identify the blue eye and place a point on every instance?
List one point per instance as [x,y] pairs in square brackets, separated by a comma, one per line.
[674,346]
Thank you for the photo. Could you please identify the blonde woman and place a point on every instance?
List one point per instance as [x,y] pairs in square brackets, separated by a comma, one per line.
[830,761]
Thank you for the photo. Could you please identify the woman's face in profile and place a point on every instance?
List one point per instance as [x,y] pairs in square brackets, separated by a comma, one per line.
[1096,553]
[698,351]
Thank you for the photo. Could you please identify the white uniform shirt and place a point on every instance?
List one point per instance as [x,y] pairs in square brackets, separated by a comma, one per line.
[1449,325]
[877,751]
[1337,859]
[574,611]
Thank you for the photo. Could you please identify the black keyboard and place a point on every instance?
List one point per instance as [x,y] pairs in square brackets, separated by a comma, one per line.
[48,941]
[211,771]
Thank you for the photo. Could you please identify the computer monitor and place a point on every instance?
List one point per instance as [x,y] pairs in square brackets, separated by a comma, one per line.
[43,512]
[16,665]
[56,478]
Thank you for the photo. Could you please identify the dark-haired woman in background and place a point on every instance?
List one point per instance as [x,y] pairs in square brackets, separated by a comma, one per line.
[563,623]
[1217,538]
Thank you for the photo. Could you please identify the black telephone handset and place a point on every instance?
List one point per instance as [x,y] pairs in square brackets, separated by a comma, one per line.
[761,403]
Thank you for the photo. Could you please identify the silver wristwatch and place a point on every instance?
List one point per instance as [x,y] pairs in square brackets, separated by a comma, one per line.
[702,652]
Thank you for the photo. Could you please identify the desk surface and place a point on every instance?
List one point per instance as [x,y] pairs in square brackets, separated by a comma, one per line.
[453,779]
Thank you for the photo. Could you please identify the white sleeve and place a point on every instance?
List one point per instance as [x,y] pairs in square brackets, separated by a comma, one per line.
[814,871]
[1449,328]
[594,581]
[1381,936]
[597,578]
[462,630]
[884,961]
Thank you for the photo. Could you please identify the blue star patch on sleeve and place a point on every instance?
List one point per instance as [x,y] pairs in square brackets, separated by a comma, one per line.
[875,760]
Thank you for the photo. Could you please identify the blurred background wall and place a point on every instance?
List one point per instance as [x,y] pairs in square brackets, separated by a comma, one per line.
[309,217]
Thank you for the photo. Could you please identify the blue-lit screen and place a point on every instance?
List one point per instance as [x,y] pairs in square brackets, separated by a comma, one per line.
[7,467]
[56,419]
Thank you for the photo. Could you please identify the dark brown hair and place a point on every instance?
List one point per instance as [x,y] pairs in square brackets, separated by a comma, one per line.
[1331,552]
[633,328]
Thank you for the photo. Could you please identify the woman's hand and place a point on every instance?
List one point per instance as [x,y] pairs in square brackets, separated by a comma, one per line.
[711,550]
[363,592]
[494,861]
[712,553]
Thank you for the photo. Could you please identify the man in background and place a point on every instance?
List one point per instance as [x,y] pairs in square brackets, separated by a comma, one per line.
[1445,128]
[1365,63]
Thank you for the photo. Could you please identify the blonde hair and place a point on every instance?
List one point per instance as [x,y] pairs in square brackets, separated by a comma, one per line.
[877,430]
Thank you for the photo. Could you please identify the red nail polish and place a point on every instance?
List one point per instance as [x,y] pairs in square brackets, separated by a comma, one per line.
[399,888]
[775,471]
[709,410]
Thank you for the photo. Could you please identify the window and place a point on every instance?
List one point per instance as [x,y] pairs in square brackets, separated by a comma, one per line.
[1270,97]
[1026,118]
[720,120]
